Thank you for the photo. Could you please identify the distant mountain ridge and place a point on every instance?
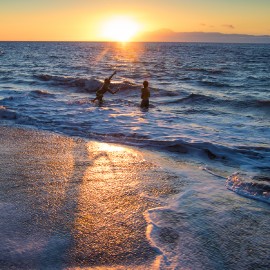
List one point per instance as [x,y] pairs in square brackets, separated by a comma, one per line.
[167,35]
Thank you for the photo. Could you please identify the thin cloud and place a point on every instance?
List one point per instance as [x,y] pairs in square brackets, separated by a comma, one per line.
[207,25]
[228,26]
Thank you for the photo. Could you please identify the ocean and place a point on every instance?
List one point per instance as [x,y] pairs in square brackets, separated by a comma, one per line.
[209,111]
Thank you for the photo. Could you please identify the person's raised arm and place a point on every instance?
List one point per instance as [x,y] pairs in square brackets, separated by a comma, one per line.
[112,75]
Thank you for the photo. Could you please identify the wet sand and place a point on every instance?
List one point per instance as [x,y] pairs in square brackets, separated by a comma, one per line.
[67,203]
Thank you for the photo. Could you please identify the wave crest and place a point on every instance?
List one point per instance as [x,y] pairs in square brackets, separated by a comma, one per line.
[83,84]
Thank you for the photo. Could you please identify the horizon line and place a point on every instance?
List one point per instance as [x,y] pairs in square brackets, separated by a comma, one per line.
[166,34]
[115,41]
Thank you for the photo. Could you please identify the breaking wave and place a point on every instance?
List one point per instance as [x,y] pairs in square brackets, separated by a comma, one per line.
[82,84]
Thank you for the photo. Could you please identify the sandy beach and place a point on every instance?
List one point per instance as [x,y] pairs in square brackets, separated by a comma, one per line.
[70,203]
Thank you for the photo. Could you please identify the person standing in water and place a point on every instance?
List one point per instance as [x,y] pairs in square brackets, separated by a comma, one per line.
[104,88]
[145,95]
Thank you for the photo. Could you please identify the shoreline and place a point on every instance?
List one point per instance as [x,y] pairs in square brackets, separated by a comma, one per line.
[72,203]
[69,203]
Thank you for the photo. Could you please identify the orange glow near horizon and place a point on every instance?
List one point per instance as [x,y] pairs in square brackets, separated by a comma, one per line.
[122,21]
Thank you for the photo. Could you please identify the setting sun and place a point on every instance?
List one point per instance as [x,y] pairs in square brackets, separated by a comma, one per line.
[119,29]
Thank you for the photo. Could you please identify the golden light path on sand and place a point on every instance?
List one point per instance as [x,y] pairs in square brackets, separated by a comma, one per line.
[110,222]
[75,204]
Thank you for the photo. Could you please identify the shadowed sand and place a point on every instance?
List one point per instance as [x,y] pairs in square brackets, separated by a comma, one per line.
[68,203]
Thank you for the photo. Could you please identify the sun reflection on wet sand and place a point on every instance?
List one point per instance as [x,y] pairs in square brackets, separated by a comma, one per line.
[109,225]
[108,147]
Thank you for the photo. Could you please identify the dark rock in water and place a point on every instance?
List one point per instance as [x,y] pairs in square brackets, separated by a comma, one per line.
[240,184]
[5,114]
[210,154]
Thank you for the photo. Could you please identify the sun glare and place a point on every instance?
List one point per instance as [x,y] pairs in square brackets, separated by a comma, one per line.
[119,29]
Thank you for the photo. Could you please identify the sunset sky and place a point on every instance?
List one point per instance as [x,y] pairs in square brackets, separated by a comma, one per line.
[87,20]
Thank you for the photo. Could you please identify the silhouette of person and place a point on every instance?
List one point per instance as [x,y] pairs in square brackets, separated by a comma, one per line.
[145,95]
[104,88]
